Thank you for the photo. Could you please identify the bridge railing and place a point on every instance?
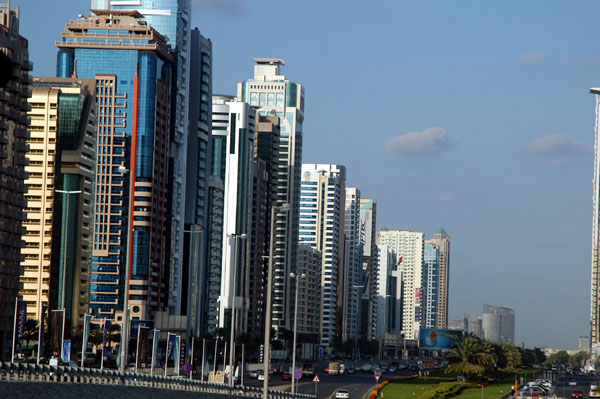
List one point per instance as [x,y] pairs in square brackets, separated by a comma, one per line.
[25,372]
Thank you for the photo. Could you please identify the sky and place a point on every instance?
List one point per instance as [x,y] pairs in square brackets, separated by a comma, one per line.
[474,116]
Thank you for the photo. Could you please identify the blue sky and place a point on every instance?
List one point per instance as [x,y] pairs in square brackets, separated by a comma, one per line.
[471,115]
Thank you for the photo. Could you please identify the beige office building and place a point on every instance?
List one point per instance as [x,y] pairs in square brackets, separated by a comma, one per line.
[59,215]
[408,247]
[441,239]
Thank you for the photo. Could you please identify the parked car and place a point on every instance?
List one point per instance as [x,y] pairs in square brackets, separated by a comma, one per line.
[342,393]
[576,394]
[261,375]
[393,369]
[286,375]
[351,370]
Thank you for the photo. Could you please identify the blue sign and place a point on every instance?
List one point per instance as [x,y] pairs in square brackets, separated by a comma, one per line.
[321,353]
[298,374]
[434,338]
[187,367]
[66,352]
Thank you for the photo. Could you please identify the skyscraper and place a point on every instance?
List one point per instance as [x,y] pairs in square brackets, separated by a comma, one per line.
[351,275]
[595,275]
[442,240]
[368,237]
[408,247]
[234,124]
[322,227]
[14,91]
[188,290]
[388,299]
[266,163]
[431,273]
[62,153]
[309,300]
[132,100]
[171,18]
[498,324]
[273,94]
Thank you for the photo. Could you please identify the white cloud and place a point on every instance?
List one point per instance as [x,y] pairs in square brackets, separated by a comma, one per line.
[559,148]
[531,58]
[430,140]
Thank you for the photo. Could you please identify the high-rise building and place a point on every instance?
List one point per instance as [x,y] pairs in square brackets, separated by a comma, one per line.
[266,161]
[368,234]
[498,324]
[234,124]
[350,276]
[408,247]
[388,300]
[14,91]
[272,94]
[321,227]
[214,249]
[132,104]
[171,18]
[309,300]
[431,272]
[188,290]
[442,240]
[595,275]
[61,183]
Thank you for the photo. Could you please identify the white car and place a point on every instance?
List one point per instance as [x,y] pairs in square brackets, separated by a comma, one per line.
[342,393]
[254,373]
[261,375]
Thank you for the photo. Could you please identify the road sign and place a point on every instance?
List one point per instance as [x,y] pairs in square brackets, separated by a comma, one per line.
[316,379]
[187,367]
[377,377]
[298,374]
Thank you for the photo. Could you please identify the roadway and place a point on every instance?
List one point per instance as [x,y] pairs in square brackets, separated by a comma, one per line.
[360,384]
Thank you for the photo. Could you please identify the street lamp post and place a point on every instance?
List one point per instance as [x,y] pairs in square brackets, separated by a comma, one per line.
[296,276]
[283,207]
[66,238]
[357,287]
[125,324]
[233,304]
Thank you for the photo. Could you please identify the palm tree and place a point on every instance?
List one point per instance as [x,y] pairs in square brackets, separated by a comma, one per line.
[470,357]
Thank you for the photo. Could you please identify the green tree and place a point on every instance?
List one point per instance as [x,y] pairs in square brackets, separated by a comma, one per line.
[559,357]
[579,358]
[470,357]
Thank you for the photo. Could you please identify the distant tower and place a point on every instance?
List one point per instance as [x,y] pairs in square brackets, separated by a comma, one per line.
[498,324]
[595,275]
[442,240]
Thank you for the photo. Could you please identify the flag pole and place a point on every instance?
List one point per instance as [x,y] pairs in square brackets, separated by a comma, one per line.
[40,327]
[12,356]
[137,349]
[62,338]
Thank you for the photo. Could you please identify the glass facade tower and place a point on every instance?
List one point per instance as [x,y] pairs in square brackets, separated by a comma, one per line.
[272,94]
[132,99]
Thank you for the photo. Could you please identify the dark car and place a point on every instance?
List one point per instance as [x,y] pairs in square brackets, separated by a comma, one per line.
[576,394]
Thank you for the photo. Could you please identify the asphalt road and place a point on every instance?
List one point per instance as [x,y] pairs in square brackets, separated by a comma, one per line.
[563,387]
[360,385]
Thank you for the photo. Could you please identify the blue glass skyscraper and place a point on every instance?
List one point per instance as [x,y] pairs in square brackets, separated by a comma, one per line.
[131,63]
[172,19]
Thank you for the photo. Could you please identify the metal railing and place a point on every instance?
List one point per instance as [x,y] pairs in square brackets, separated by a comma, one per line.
[24,372]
